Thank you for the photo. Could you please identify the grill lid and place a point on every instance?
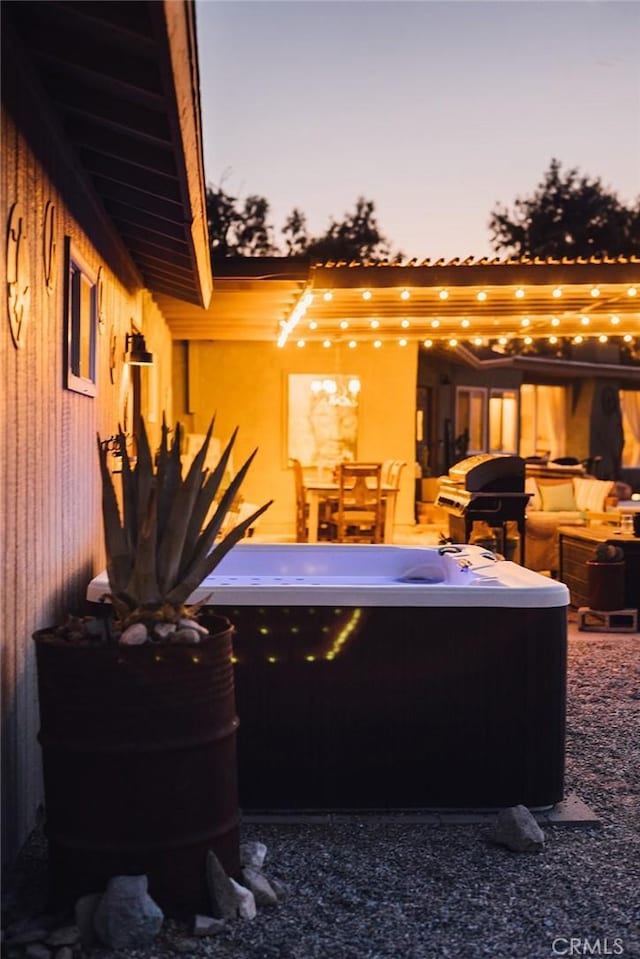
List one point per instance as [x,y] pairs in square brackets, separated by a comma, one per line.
[489,472]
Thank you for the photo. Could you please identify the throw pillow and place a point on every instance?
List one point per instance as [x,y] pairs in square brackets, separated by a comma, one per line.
[530,486]
[558,497]
[592,493]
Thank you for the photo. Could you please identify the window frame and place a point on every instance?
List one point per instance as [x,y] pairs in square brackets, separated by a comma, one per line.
[81,322]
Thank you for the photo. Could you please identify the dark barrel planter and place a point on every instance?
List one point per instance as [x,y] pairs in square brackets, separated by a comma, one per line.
[139,760]
[605,585]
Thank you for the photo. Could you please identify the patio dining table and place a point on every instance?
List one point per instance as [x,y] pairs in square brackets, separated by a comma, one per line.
[319,490]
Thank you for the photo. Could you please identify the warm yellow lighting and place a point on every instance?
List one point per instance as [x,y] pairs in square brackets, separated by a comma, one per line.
[404,324]
[428,344]
[553,340]
[326,344]
[328,295]
[344,324]
[478,341]
[271,659]
[405,295]
[453,342]
[557,293]
[528,340]
[585,320]
[435,324]
[366,294]
[402,342]
[555,321]
[310,659]
[444,294]
[301,343]
[603,338]
[578,339]
[595,291]
[352,344]
[313,325]
[632,291]
[465,323]
[374,324]
[615,320]
[377,344]
[481,296]
[627,338]
[503,341]
[519,293]
[525,321]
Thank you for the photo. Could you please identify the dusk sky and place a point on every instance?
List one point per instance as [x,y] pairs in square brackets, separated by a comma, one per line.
[436,111]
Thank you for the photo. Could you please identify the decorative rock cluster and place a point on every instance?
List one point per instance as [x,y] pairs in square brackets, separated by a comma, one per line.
[126,917]
[185,631]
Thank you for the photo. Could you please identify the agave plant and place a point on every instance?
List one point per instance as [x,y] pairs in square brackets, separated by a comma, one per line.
[161,546]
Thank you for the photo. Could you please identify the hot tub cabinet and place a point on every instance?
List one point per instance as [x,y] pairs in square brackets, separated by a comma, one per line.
[384,677]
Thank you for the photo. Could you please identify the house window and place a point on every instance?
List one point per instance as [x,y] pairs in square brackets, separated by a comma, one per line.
[503,421]
[471,417]
[81,323]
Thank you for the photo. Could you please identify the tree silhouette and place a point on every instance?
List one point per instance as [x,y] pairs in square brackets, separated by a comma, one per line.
[238,230]
[568,215]
[243,229]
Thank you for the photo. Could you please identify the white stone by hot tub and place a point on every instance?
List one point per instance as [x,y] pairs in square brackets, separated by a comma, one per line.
[300,574]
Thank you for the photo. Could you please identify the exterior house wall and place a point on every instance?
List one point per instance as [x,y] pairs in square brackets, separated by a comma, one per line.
[50,504]
[246,384]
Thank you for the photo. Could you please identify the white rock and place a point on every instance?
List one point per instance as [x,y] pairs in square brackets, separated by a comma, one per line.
[263,892]
[187,637]
[245,900]
[194,624]
[134,635]
[127,916]
[164,630]
[252,854]
[207,926]
[517,829]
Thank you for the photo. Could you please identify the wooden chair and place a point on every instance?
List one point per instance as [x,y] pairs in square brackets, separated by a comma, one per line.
[302,507]
[358,518]
[393,480]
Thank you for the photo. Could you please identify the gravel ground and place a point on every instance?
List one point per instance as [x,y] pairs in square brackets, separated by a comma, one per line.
[367,889]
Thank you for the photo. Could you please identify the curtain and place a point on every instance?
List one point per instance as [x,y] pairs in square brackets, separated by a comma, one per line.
[630,405]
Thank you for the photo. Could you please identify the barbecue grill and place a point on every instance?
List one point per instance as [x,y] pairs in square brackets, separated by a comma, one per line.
[488,487]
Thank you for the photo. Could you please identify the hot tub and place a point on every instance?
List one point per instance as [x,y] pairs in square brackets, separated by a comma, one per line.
[390,677]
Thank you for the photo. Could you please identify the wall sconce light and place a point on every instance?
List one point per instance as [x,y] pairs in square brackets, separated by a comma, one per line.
[136,351]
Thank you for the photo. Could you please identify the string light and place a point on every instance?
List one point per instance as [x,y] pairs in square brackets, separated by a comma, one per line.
[374,324]
[632,291]
[603,338]
[328,296]
[326,344]
[377,344]
[444,294]
[585,320]
[519,294]
[300,343]
[344,324]
[405,295]
[465,323]
[557,293]
[366,294]
[405,324]
[453,342]
[352,344]
[525,321]
[555,321]
[615,320]
[313,325]
[428,344]
[402,342]
[481,296]
[595,291]
[435,324]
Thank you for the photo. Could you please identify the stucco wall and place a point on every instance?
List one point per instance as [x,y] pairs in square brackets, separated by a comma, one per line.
[246,383]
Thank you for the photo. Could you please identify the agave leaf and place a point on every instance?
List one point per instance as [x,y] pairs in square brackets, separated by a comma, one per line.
[129,493]
[172,543]
[144,478]
[205,498]
[208,535]
[119,557]
[202,567]
[169,480]
[144,580]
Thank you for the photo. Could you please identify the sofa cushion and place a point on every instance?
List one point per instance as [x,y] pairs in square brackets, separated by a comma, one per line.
[558,497]
[592,493]
[530,486]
